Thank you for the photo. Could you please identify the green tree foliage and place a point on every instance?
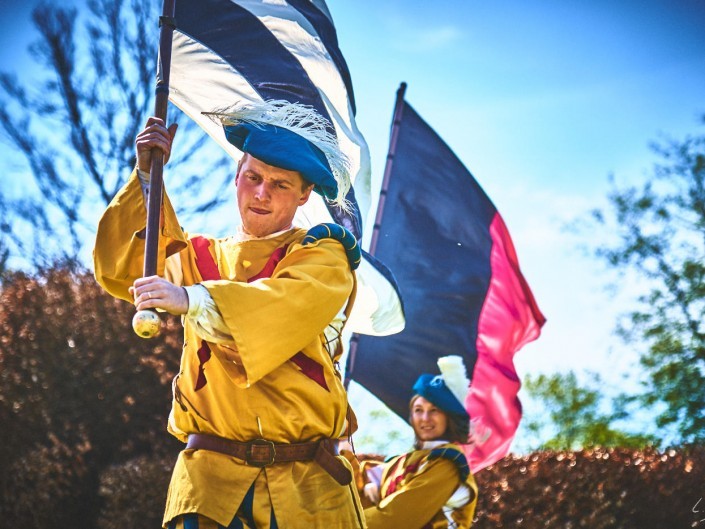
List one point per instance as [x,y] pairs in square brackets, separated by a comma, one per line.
[380,437]
[79,394]
[576,415]
[659,232]
[70,123]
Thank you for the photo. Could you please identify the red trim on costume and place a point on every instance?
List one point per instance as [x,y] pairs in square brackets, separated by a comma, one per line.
[272,263]
[208,269]
[308,366]
[394,483]
[311,369]
[204,260]
[204,354]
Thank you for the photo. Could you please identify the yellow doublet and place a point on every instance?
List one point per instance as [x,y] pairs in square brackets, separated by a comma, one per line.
[248,388]
[414,490]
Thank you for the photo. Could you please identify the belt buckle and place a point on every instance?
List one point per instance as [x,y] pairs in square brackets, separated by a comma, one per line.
[257,445]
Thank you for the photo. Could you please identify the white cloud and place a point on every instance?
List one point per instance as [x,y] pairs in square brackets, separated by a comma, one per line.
[412,39]
[436,38]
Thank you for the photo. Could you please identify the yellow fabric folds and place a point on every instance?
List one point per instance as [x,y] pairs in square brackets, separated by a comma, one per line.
[252,389]
[413,491]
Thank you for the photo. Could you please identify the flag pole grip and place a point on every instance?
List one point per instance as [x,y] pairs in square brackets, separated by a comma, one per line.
[146,323]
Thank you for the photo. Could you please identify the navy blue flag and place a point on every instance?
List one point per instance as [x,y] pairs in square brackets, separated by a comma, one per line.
[463,291]
[233,51]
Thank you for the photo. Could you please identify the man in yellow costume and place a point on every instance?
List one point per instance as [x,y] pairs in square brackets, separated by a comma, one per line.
[258,398]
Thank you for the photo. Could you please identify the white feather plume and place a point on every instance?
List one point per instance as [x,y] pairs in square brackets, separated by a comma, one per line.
[455,376]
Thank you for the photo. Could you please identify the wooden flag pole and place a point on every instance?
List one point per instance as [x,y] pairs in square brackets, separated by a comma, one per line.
[394,135]
[146,322]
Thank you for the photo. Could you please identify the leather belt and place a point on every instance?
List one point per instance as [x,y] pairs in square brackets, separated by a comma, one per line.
[262,453]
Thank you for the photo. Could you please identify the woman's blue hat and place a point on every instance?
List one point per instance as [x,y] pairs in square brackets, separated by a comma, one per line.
[434,390]
[448,390]
[293,137]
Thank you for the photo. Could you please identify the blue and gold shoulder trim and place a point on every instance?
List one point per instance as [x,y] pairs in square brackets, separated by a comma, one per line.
[456,457]
[330,230]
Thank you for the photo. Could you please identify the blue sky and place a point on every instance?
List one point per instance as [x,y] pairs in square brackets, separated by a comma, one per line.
[542,101]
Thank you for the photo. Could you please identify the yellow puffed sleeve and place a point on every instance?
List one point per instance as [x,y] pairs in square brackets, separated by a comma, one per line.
[274,318]
[416,504]
[118,254]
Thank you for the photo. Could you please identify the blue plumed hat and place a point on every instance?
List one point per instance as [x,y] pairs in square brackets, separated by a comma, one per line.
[448,390]
[293,137]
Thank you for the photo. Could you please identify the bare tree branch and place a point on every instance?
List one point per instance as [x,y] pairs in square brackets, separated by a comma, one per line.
[74,125]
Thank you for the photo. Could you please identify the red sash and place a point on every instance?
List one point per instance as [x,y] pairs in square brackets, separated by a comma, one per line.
[208,269]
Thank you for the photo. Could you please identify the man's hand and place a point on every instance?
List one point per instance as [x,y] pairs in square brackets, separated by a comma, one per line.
[154,292]
[155,134]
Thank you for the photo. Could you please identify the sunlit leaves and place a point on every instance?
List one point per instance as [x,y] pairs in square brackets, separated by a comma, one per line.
[660,238]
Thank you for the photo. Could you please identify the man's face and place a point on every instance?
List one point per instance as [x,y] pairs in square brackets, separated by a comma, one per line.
[268,196]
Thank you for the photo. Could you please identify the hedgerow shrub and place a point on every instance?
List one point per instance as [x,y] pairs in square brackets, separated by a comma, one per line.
[79,392]
[594,488]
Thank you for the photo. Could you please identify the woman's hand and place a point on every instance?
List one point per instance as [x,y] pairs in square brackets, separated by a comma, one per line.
[371,491]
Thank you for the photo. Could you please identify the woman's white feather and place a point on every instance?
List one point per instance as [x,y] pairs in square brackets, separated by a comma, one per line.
[455,376]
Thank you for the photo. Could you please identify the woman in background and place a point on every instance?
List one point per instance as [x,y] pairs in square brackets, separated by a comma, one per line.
[430,487]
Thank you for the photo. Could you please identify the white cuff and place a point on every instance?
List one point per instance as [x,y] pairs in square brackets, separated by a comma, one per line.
[371,491]
[198,297]
[143,177]
[459,498]
[204,315]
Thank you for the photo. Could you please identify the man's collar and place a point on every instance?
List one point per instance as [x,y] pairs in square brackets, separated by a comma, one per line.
[242,235]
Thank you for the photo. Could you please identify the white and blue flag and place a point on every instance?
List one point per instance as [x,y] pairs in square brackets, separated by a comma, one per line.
[234,51]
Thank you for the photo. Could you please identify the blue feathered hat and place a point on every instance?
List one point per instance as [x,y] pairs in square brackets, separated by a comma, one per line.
[293,137]
[448,390]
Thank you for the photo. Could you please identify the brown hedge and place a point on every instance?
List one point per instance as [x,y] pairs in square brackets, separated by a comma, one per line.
[79,392]
[134,493]
[83,403]
[595,488]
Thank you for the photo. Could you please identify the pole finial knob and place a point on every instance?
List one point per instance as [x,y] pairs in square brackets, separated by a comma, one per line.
[146,323]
